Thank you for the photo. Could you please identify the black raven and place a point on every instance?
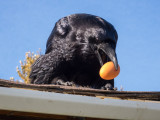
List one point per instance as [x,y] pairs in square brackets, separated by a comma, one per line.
[77,47]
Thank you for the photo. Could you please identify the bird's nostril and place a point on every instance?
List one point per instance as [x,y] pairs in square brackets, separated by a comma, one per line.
[95,47]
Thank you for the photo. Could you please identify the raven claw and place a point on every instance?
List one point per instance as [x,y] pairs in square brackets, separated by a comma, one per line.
[61,82]
[108,86]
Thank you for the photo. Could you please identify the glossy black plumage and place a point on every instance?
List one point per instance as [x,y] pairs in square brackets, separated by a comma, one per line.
[75,50]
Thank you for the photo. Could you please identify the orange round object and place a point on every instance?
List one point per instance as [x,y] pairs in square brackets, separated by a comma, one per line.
[108,71]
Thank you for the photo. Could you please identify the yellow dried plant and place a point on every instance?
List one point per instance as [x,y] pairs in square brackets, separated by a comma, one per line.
[25,66]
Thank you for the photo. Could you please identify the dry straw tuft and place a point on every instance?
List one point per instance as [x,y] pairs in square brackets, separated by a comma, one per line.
[25,66]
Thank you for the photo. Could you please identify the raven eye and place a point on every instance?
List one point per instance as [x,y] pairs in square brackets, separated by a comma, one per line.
[92,40]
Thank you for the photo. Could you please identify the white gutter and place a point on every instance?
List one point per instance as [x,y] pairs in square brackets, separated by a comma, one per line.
[76,105]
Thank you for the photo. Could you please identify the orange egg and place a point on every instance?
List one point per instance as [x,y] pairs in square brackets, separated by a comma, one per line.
[108,71]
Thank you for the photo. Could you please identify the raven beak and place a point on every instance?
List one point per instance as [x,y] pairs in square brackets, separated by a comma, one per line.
[110,52]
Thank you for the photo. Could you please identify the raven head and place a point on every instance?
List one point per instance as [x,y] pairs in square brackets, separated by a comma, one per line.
[105,49]
[101,38]
[86,35]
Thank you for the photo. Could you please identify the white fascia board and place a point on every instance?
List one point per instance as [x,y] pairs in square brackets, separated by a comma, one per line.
[76,105]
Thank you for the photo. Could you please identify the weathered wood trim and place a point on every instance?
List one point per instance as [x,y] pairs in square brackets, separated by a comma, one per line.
[154,96]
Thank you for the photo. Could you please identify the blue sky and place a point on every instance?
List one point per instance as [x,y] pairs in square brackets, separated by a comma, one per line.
[25,26]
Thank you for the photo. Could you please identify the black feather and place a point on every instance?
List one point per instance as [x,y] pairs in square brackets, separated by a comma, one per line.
[69,56]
